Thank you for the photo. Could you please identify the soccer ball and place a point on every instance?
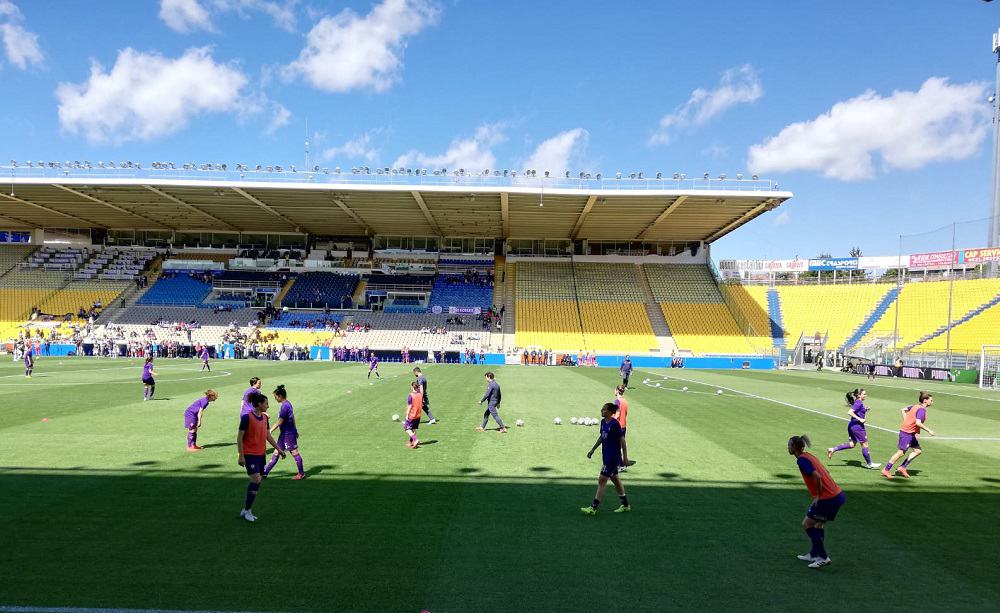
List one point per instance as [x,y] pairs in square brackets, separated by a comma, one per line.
[657,385]
[591,421]
[557,421]
[719,392]
[685,389]
[519,423]
[395,418]
[573,420]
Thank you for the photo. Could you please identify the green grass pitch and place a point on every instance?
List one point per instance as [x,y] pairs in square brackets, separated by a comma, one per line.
[103,507]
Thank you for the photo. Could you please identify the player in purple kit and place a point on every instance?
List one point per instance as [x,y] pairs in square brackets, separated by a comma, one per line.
[373,366]
[204,360]
[856,427]
[148,382]
[610,442]
[288,435]
[914,421]
[254,388]
[29,360]
[192,418]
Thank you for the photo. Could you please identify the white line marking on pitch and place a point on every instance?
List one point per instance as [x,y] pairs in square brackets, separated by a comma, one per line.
[818,412]
[222,373]
[934,386]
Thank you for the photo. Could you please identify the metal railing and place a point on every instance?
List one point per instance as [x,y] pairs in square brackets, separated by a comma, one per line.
[226,173]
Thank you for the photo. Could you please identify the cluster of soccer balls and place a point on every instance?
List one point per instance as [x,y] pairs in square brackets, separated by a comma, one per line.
[578,421]
[519,423]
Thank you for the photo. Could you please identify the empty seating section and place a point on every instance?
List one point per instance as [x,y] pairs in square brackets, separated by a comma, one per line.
[620,327]
[969,336]
[320,290]
[682,283]
[707,328]
[115,264]
[699,319]
[610,282]
[452,291]
[923,310]
[836,310]
[394,331]
[752,302]
[12,255]
[179,290]
[547,314]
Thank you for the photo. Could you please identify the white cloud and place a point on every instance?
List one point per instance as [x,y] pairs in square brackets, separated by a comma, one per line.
[781,219]
[147,95]
[474,154]
[908,130]
[360,147]
[349,51]
[736,86]
[20,45]
[189,15]
[279,118]
[185,16]
[556,153]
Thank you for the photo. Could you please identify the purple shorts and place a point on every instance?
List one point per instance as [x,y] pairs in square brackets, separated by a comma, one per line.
[826,510]
[254,463]
[190,420]
[908,441]
[288,441]
[411,424]
[856,432]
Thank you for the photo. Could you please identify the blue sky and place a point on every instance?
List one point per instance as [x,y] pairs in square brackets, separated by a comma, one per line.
[873,113]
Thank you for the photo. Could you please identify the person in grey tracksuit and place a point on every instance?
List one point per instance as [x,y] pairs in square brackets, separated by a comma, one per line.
[492,400]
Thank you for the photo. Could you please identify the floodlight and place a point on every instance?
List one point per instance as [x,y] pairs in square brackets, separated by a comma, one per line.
[378,171]
[659,175]
[505,172]
[13,163]
[705,176]
[739,177]
[315,168]
[336,169]
[486,172]
[631,175]
[754,177]
[722,177]
[618,174]
[582,174]
[598,176]
[326,171]
[640,175]
[567,174]
[496,173]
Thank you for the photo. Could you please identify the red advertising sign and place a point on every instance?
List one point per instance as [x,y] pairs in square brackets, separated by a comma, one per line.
[939,259]
[978,256]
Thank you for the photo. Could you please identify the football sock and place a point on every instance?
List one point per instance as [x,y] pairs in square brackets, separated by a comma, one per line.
[868,457]
[298,463]
[429,414]
[624,500]
[152,390]
[905,463]
[814,549]
[820,535]
[595,504]
[145,392]
[888,467]
[841,447]
[251,495]
[190,439]
[270,465]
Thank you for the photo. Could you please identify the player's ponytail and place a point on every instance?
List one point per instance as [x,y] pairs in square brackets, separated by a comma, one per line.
[799,443]
[620,389]
[280,392]
[924,396]
[852,396]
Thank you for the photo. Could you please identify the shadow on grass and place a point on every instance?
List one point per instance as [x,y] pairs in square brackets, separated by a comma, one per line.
[351,534]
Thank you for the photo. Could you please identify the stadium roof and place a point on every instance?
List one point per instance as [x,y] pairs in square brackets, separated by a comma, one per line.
[610,209]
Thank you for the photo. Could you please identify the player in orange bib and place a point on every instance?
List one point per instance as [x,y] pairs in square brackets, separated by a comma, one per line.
[914,420]
[827,498]
[251,444]
[621,414]
[414,409]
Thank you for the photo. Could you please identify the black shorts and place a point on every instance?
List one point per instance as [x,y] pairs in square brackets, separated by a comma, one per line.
[609,471]
[254,464]
[149,381]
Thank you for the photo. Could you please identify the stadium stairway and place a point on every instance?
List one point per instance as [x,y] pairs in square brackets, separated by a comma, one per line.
[510,305]
[655,314]
[284,290]
[976,311]
[359,294]
[774,314]
[873,317]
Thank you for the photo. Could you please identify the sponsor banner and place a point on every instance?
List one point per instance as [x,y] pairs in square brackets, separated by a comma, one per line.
[979,256]
[938,259]
[881,262]
[908,372]
[764,265]
[464,310]
[834,264]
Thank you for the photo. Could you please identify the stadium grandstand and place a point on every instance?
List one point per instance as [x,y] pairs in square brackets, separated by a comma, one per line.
[441,264]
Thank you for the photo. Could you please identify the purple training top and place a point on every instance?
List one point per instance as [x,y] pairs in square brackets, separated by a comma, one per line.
[197,405]
[147,370]
[287,419]
[860,410]
[204,354]
[247,408]
[374,362]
